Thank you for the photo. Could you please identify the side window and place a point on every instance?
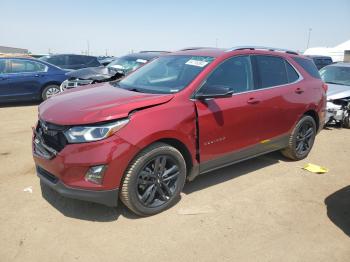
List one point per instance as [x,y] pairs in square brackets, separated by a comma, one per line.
[271,71]
[2,66]
[25,66]
[234,74]
[308,65]
[57,60]
[78,60]
[291,73]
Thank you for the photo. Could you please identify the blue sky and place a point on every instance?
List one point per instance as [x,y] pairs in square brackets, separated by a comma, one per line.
[122,26]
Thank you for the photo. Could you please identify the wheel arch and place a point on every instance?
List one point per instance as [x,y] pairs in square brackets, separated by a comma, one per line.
[315,116]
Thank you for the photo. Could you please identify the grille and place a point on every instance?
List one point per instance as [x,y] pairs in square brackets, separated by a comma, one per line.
[46,174]
[52,135]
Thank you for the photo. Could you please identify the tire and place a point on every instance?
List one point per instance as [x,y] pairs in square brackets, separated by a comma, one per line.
[301,139]
[346,122]
[50,91]
[148,188]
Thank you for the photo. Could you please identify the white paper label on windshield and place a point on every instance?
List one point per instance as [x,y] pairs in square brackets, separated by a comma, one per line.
[143,61]
[197,63]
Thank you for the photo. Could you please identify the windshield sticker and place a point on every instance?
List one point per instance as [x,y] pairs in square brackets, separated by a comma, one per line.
[200,61]
[197,63]
[143,61]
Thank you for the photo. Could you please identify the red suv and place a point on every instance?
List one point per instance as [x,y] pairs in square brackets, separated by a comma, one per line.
[182,115]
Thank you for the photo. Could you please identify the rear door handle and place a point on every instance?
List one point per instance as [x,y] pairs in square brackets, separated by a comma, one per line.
[299,90]
[253,101]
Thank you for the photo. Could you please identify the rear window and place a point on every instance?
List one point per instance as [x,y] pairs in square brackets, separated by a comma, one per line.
[292,74]
[309,66]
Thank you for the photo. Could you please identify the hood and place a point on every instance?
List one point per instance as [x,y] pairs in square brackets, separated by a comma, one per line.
[96,103]
[337,91]
[90,73]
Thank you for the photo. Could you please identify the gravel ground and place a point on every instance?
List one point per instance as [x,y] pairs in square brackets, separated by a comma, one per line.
[264,209]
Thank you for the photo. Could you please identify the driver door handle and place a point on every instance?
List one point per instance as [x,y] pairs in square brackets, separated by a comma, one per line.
[253,101]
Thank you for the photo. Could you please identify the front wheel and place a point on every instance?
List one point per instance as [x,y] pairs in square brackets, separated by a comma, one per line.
[50,91]
[301,140]
[154,180]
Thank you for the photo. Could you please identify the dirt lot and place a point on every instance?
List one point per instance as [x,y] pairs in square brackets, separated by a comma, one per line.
[265,209]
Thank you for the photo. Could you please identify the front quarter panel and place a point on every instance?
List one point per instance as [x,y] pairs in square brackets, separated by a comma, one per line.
[175,120]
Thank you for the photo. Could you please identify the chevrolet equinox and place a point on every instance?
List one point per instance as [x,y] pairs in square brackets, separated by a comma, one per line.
[184,114]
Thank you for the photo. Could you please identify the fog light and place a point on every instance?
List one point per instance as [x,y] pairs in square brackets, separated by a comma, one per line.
[95,174]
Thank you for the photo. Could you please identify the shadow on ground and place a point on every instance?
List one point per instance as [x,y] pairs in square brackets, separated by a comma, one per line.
[227,173]
[338,209]
[95,212]
[19,104]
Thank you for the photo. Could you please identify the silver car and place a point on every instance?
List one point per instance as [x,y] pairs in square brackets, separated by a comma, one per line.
[337,77]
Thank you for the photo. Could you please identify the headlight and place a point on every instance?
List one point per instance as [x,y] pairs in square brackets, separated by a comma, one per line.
[81,134]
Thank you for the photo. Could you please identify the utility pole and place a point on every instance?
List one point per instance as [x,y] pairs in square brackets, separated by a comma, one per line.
[308,38]
[88,47]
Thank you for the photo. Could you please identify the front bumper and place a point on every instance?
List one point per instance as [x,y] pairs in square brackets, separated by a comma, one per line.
[105,197]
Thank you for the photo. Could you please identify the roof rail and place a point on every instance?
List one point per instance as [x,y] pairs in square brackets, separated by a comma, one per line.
[195,48]
[262,48]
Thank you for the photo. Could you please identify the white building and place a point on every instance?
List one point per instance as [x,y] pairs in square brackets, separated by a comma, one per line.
[337,52]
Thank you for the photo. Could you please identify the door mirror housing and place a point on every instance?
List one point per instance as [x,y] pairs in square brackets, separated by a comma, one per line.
[213,91]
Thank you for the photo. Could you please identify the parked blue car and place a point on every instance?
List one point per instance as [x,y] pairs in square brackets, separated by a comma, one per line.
[28,79]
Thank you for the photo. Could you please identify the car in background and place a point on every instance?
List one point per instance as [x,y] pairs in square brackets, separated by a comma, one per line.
[321,61]
[74,62]
[181,115]
[113,71]
[28,79]
[337,77]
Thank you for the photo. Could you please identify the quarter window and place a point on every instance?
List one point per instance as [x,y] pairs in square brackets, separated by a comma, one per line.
[309,66]
[234,74]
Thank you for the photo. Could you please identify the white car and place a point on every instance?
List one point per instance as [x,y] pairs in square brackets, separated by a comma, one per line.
[337,76]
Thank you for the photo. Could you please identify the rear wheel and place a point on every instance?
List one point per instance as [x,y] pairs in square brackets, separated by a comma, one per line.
[301,140]
[346,122]
[154,180]
[50,91]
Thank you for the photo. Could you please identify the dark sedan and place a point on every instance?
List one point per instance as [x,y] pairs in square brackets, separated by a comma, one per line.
[28,79]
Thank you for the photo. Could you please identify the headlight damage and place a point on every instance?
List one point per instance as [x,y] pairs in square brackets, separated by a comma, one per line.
[82,134]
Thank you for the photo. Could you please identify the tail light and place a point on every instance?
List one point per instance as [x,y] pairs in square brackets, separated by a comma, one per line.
[325,87]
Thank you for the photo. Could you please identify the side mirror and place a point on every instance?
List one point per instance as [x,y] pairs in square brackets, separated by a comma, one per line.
[213,91]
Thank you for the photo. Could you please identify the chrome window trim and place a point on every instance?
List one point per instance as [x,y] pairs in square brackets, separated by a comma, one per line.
[192,98]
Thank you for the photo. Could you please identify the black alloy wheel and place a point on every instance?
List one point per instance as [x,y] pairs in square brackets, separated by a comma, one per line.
[154,180]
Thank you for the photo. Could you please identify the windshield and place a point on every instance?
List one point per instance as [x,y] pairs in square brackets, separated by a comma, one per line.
[167,74]
[127,64]
[339,75]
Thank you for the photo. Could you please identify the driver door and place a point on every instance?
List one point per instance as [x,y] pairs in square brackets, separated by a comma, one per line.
[228,127]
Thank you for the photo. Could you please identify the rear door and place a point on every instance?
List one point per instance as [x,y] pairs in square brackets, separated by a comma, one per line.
[278,99]
[228,127]
[24,78]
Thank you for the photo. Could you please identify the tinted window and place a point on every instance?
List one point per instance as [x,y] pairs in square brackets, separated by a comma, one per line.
[308,66]
[78,60]
[234,74]
[291,73]
[271,71]
[56,60]
[24,66]
[2,66]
